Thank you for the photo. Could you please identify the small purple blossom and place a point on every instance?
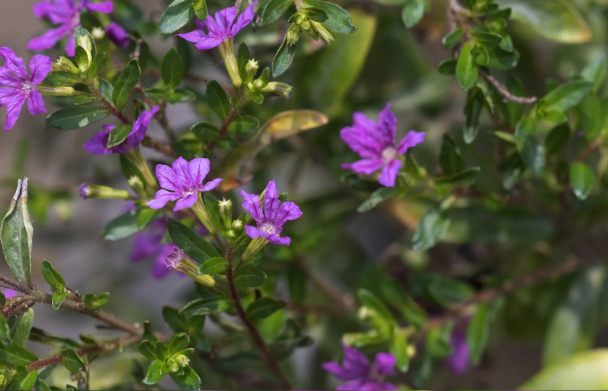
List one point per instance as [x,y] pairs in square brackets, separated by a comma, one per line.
[219,29]
[8,293]
[118,35]
[458,361]
[271,219]
[182,181]
[97,144]
[375,143]
[358,374]
[66,14]
[16,86]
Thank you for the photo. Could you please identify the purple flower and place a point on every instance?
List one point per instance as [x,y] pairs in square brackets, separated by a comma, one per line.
[16,86]
[375,143]
[358,374]
[66,14]
[220,28]
[97,144]
[271,219]
[118,35]
[458,361]
[182,181]
[8,293]
[148,244]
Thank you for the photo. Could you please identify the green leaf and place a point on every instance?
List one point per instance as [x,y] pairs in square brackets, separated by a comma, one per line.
[177,343]
[412,12]
[58,298]
[379,196]
[243,58]
[16,232]
[450,158]
[16,355]
[315,14]
[438,340]
[5,331]
[129,77]
[181,95]
[93,302]
[273,10]
[338,19]
[245,123]
[189,241]
[399,349]
[502,60]
[464,178]
[200,9]
[72,361]
[157,369]
[162,351]
[263,308]
[82,59]
[557,139]
[430,229]
[282,60]
[213,266]
[581,371]
[96,65]
[566,96]
[466,69]
[217,99]
[582,179]
[187,380]
[147,349]
[84,99]
[75,117]
[24,379]
[176,16]
[206,306]
[447,291]
[118,135]
[488,39]
[205,132]
[447,67]
[595,71]
[533,155]
[172,69]
[452,38]
[394,294]
[145,216]
[370,301]
[21,331]
[61,78]
[591,116]
[472,111]
[477,333]
[298,284]
[249,277]
[83,38]
[121,227]
[556,20]
[525,127]
[213,211]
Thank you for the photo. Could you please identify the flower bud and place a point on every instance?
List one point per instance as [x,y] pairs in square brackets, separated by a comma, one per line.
[293,35]
[55,90]
[279,88]
[237,226]
[253,248]
[63,64]
[97,191]
[98,33]
[177,362]
[226,212]
[178,260]
[324,34]
[251,69]
[137,185]
[200,210]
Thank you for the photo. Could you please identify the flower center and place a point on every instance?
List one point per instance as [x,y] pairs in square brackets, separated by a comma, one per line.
[388,154]
[26,88]
[188,193]
[268,228]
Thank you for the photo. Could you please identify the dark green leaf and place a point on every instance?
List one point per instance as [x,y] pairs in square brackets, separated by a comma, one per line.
[147,349]
[217,99]
[75,117]
[452,38]
[379,196]
[205,132]
[24,379]
[447,291]
[314,14]
[83,38]
[566,96]
[181,96]
[525,127]
[338,19]
[118,135]
[464,178]
[157,369]
[488,39]
[298,284]
[412,12]
[177,343]
[557,139]
[373,303]
[205,307]
[466,69]
[273,10]
[582,179]
[430,229]
[449,158]
[263,308]
[249,277]
[447,67]
[438,340]
[16,232]
[533,155]
[85,99]
[176,16]
[245,123]
[213,211]
[129,77]
[187,380]
[595,71]
[5,331]
[243,58]
[21,330]
[96,65]
[472,111]
[282,60]
[213,266]
[72,361]
[61,78]
[16,355]
[172,69]
[121,227]
[477,333]
[501,59]
[189,241]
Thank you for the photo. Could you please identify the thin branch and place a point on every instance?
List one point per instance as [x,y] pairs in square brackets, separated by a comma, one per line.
[253,331]
[227,121]
[110,106]
[505,92]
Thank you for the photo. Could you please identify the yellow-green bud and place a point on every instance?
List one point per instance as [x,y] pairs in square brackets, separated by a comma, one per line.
[237,225]
[137,185]
[226,212]
[98,33]
[97,191]
[279,88]
[48,90]
[253,248]
[178,260]
[63,64]
[293,35]
[324,34]
[251,69]
[232,66]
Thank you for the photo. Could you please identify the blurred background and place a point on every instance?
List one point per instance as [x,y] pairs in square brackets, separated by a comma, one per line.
[366,77]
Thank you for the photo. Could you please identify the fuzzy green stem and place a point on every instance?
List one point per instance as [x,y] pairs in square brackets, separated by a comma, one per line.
[232,66]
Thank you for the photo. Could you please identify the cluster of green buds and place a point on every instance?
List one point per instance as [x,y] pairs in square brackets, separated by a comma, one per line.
[255,88]
[309,20]
[172,358]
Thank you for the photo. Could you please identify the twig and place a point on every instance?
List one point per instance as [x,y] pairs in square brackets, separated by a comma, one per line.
[227,121]
[505,92]
[253,331]
[110,106]
[84,351]
[159,146]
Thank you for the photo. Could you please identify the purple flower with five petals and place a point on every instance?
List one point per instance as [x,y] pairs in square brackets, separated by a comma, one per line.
[375,143]
[358,374]
[182,182]
[271,219]
[118,35]
[97,144]
[16,86]
[219,29]
[66,14]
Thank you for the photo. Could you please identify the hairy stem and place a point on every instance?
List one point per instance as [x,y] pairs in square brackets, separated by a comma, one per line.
[505,92]
[253,331]
[110,106]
